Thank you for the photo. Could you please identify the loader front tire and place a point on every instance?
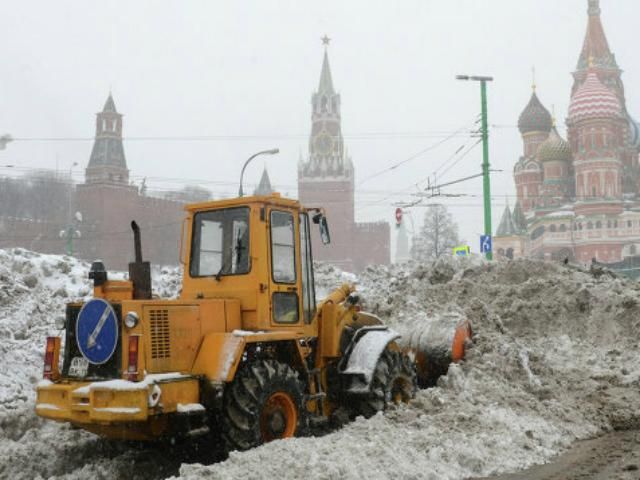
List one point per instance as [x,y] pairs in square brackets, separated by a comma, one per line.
[393,382]
[261,404]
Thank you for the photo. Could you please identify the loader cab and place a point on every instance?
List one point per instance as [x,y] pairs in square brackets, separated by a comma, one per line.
[258,250]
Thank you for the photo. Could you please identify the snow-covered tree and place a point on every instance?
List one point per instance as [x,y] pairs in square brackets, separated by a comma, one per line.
[438,235]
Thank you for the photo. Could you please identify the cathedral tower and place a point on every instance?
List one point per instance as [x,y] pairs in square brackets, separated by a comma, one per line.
[596,57]
[554,154]
[597,131]
[534,124]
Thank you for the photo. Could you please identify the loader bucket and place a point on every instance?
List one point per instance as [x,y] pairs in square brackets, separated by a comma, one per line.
[440,342]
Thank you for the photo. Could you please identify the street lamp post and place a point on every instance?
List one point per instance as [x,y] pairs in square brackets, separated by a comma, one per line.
[71,226]
[486,183]
[273,151]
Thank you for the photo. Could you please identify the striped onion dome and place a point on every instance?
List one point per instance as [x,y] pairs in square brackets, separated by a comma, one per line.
[593,100]
[554,148]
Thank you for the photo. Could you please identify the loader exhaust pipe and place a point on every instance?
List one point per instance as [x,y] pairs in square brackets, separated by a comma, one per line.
[139,271]
[137,243]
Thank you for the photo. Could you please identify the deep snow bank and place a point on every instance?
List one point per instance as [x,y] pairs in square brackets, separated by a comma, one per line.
[33,291]
[555,359]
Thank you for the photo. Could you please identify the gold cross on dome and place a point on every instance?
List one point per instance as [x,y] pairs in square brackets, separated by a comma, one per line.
[325,40]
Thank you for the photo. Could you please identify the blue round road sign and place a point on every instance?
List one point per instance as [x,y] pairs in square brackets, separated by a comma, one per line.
[97,331]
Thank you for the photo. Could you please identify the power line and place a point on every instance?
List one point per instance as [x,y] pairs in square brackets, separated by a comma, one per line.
[414,156]
[231,137]
[462,156]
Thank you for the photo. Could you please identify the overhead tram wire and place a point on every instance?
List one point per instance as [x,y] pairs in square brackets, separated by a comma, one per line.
[275,136]
[462,156]
[459,149]
[418,154]
[451,157]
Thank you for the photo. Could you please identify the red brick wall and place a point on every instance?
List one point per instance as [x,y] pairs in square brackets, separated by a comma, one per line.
[336,197]
[31,234]
[353,245]
[107,212]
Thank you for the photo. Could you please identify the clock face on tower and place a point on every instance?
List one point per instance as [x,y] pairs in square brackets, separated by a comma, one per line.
[323,143]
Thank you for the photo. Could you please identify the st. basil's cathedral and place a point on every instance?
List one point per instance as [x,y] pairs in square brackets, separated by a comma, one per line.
[578,199]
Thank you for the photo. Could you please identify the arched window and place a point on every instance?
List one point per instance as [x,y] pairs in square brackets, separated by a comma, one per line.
[563,228]
[608,223]
[629,224]
[510,253]
[323,104]
[598,224]
[552,228]
[615,224]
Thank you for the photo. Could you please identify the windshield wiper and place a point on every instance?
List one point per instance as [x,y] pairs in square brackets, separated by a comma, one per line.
[219,274]
[237,250]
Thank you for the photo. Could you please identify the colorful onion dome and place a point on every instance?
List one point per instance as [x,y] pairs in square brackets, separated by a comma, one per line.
[554,148]
[593,100]
[535,117]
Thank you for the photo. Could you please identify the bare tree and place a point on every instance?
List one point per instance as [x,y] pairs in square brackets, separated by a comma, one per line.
[438,235]
[39,195]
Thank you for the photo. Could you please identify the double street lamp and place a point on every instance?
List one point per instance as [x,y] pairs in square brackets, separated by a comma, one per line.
[486,184]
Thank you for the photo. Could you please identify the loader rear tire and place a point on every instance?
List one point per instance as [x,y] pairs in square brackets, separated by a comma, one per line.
[393,382]
[263,403]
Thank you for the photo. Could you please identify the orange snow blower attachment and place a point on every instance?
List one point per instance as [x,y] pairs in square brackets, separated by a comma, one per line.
[441,342]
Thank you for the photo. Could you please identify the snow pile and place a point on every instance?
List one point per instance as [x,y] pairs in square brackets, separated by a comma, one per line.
[555,360]
[34,289]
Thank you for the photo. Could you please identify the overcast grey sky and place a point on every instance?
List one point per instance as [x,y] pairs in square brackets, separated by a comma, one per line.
[248,69]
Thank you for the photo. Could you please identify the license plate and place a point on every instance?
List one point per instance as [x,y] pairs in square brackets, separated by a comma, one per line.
[79,367]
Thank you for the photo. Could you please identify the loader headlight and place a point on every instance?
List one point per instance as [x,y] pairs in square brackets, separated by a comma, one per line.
[131,320]
[60,322]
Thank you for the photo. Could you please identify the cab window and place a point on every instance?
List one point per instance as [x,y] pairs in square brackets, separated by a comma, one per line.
[285,307]
[283,258]
[220,243]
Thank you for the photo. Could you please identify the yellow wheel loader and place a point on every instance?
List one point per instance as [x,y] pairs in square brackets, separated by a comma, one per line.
[245,353]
